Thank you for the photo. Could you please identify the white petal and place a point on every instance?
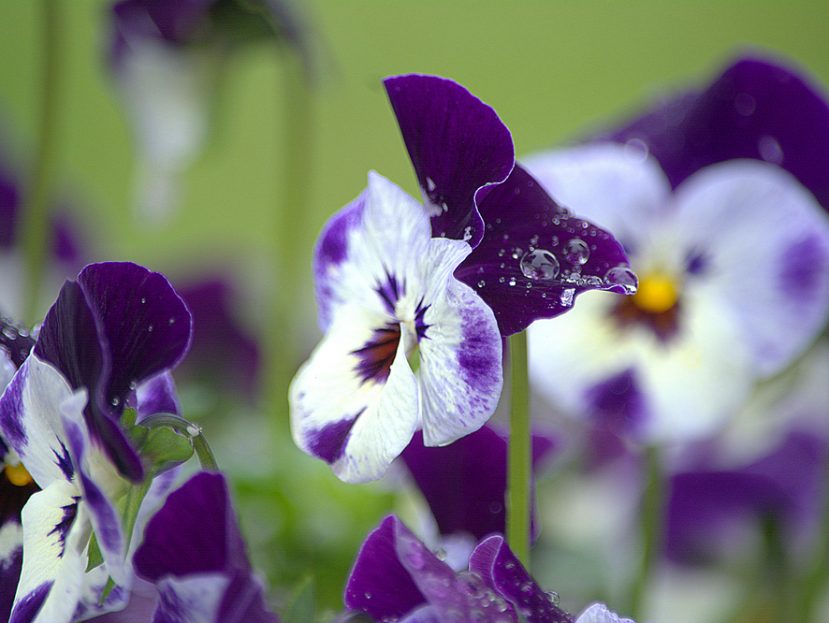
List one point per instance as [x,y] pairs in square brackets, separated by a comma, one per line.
[30,419]
[765,243]
[607,184]
[358,426]
[598,613]
[53,554]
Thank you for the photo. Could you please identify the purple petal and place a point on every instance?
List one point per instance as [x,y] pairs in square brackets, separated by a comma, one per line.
[535,258]
[458,146]
[158,395]
[16,343]
[10,565]
[379,584]
[465,483]
[754,109]
[244,601]
[194,532]
[223,354]
[71,340]
[493,561]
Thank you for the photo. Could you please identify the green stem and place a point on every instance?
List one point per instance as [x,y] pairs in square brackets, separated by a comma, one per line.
[815,582]
[291,253]
[651,525]
[519,470]
[34,224]
[192,431]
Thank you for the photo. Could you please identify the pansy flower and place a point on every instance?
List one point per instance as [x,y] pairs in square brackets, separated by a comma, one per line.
[465,483]
[399,279]
[108,341]
[732,250]
[397,578]
[194,554]
[166,57]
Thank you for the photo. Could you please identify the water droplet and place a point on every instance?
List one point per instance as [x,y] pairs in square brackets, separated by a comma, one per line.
[150,328]
[502,252]
[440,553]
[745,104]
[367,595]
[770,149]
[539,264]
[115,401]
[512,281]
[577,251]
[430,184]
[636,150]
[517,252]
[143,300]
[171,320]
[622,278]
[567,297]
[553,597]
[481,283]
[501,279]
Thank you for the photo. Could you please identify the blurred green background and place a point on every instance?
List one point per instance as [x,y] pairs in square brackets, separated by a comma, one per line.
[553,70]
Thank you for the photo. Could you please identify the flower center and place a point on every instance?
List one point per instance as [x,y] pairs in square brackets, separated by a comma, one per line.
[658,293]
[18,475]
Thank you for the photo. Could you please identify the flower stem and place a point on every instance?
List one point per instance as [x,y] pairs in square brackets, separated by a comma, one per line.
[651,525]
[291,253]
[520,454]
[816,579]
[35,217]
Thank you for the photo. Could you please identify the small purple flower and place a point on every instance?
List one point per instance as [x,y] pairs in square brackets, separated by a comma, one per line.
[194,554]
[166,59]
[111,334]
[732,253]
[465,482]
[396,578]
[395,277]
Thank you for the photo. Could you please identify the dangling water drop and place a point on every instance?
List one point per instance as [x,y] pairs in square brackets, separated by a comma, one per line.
[622,278]
[539,264]
[577,251]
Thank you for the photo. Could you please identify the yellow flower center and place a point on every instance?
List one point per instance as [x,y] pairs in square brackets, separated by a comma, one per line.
[657,293]
[18,475]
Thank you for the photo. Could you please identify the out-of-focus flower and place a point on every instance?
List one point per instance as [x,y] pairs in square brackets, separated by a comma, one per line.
[223,356]
[731,250]
[465,483]
[167,58]
[108,341]
[194,554]
[65,255]
[397,578]
[384,277]
[713,511]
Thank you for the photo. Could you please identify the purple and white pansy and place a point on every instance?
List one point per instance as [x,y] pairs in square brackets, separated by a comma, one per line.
[166,58]
[732,253]
[440,279]
[397,578]
[194,555]
[116,330]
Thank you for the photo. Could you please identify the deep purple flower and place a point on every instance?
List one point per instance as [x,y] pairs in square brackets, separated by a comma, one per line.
[728,244]
[166,57]
[709,508]
[397,578]
[395,277]
[531,258]
[223,355]
[194,554]
[465,483]
[111,334]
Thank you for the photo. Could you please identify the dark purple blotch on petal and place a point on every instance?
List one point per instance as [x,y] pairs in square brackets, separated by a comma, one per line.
[494,562]
[379,584]
[465,482]
[755,109]
[535,258]
[28,607]
[64,461]
[61,529]
[375,358]
[458,147]
[801,267]
[329,442]
[616,404]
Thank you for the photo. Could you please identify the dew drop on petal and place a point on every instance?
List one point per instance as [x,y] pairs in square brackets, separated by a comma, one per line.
[512,281]
[623,278]
[636,150]
[770,149]
[430,184]
[567,297]
[577,251]
[481,283]
[540,264]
